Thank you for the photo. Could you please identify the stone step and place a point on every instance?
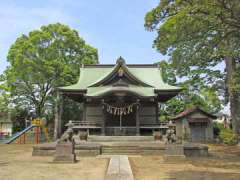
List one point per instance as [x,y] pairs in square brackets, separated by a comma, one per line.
[121,153]
[93,138]
[120,150]
[120,147]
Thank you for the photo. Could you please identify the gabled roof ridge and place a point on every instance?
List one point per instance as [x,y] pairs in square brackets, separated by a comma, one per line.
[119,64]
[128,65]
[145,79]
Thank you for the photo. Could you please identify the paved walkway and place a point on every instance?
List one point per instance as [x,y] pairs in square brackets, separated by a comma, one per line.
[119,169]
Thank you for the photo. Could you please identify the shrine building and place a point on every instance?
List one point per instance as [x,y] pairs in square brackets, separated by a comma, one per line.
[119,99]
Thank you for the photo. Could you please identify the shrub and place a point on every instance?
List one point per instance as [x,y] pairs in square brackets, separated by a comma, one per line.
[228,137]
[217,128]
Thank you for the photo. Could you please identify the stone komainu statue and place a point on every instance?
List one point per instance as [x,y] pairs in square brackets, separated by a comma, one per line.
[171,137]
[68,134]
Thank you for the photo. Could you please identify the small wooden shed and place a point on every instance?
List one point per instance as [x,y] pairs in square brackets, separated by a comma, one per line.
[195,125]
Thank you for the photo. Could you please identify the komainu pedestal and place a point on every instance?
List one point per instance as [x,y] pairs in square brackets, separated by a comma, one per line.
[65,147]
[174,152]
[65,153]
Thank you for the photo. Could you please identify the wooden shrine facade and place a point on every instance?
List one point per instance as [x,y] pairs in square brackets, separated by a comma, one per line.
[119,99]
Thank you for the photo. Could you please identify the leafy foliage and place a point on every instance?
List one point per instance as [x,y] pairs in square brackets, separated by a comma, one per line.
[194,93]
[43,60]
[19,116]
[196,29]
[228,137]
[199,37]
[4,100]
[217,128]
[72,111]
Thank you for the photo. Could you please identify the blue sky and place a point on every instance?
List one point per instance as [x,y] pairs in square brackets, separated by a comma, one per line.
[115,28]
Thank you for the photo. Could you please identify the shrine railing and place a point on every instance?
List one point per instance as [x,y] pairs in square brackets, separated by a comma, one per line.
[86,123]
[157,124]
[99,123]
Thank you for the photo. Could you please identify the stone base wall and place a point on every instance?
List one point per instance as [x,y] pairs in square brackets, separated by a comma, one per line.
[89,150]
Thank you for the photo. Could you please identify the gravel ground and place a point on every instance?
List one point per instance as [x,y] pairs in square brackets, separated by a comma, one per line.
[223,164]
[17,163]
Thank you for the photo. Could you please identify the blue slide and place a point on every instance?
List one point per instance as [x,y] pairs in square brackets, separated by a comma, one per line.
[14,137]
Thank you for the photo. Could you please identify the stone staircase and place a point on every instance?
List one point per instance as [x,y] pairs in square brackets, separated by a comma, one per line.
[121,145]
[120,138]
[120,150]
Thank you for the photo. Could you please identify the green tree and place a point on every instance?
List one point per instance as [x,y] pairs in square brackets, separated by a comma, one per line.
[194,93]
[198,36]
[16,114]
[4,99]
[43,60]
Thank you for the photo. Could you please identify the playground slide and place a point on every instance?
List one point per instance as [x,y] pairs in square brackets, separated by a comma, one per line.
[13,138]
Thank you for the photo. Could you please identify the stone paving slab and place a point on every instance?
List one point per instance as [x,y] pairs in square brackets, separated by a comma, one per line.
[119,169]
[114,166]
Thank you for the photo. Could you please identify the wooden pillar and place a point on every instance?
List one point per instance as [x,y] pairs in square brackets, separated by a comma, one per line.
[84,111]
[137,119]
[103,118]
[157,112]
[61,99]
[56,118]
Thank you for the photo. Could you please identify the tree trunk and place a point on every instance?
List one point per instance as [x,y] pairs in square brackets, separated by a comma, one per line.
[235,112]
[233,95]
[39,110]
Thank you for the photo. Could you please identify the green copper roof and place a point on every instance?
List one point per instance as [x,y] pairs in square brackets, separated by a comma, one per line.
[140,91]
[148,74]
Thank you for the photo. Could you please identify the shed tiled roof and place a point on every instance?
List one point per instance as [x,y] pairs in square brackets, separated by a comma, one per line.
[192,110]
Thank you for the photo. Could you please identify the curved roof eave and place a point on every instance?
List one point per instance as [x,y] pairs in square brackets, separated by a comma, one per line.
[142,92]
[115,91]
